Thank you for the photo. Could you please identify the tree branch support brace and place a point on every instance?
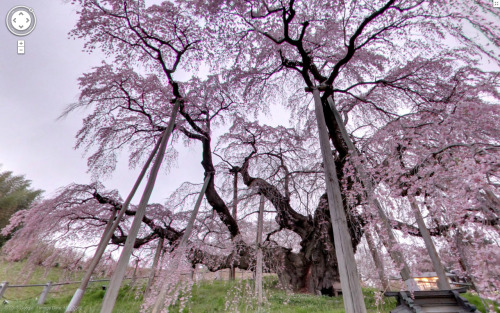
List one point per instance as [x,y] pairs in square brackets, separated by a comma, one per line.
[349,277]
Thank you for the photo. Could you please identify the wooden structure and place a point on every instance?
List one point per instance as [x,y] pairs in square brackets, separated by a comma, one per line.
[258,244]
[428,281]
[337,289]
[349,278]
[431,301]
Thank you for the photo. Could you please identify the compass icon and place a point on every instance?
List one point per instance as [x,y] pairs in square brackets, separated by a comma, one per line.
[21,20]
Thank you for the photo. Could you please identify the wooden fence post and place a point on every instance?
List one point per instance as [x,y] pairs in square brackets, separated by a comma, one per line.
[45,293]
[349,277]
[3,287]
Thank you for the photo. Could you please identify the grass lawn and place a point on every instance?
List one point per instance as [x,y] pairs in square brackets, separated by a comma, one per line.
[205,297]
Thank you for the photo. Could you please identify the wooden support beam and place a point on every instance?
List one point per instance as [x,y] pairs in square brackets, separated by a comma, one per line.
[349,278]
[108,232]
[377,260]
[320,88]
[442,282]
[459,245]
[258,244]
[232,270]
[154,267]
[3,287]
[45,293]
[117,277]
[396,255]
[180,250]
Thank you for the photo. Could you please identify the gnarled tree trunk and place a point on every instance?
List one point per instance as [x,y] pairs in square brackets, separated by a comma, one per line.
[314,269]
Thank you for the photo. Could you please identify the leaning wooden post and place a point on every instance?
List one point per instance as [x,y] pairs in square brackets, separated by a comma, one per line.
[258,243]
[459,245]
[349,278]
[108,232]
[117,277]
[379,262]
[134,275]
[160,299]
[232,270]
[396,255]
[3,287]
[154,267]
[442,282]
[45,293]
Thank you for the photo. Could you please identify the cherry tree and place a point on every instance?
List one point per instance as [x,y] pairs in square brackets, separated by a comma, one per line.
[408,109]
[370,49]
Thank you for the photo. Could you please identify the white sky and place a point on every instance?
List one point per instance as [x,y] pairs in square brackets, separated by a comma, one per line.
[34,90]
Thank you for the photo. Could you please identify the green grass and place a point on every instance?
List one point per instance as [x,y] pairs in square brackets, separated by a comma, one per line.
[18,273]
[205,297]
[221,296]
[477,302]
[91,302]
[25,299]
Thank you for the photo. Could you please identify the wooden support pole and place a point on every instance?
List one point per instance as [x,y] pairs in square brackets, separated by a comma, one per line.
[379,262]
[349,278]
[232,270]
[396,255]
[494,200]
[111,227]
[192,218]
[45,293]
[117,277]
[134,275]
[154,267]
[258,244]
[459,245]
[160,299]
[191,273]
[3,287]
[442,282]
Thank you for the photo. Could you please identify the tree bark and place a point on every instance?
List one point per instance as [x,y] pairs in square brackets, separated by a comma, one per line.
[315,268]
[349,278]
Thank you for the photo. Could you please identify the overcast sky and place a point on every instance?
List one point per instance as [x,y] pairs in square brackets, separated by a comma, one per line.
[34,90]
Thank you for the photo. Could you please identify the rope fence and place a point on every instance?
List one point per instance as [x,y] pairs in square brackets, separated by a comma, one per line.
[197,274]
